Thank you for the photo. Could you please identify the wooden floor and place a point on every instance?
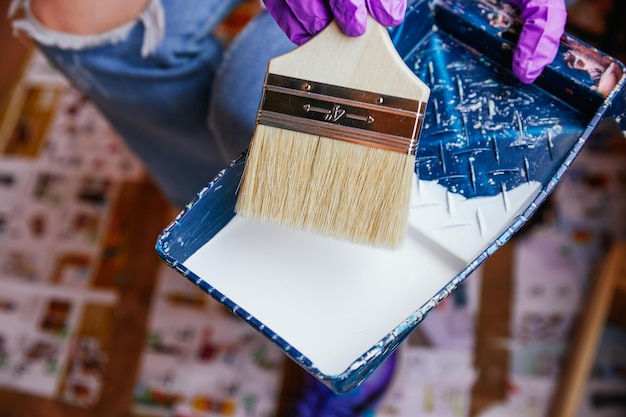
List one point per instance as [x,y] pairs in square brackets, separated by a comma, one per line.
[143,213]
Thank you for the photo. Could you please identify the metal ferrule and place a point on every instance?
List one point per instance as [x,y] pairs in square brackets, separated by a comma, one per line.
[370,119]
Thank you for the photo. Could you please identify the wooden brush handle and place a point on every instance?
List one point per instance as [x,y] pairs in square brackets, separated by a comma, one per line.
[369,62]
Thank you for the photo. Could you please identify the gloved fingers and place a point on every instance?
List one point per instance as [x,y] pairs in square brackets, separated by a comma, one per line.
[317,400]
[313,15]
[288,21]
[538,44]
[313,395]
[382,376]
[387,12]
[350,15]
[301,20]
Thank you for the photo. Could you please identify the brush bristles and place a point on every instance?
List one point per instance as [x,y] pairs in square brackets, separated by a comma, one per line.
[327,186]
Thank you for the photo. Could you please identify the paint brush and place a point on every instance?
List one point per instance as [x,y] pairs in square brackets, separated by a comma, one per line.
[333,150]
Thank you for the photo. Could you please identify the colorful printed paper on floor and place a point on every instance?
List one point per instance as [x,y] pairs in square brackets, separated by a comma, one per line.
[200,360]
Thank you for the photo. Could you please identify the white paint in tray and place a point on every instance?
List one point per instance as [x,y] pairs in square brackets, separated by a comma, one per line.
[333,300]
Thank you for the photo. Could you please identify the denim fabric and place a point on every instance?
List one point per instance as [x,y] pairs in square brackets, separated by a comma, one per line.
[160,104]
[239,82]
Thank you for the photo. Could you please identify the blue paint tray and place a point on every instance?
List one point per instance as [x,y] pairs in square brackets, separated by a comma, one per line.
[491,150]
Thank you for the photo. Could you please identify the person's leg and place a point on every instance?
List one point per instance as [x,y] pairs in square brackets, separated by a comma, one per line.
[152,79]
[239,82]
[86,17]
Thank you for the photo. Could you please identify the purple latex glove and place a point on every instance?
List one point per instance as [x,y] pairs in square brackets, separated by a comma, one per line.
[544,23]
[317,400]
[302,19]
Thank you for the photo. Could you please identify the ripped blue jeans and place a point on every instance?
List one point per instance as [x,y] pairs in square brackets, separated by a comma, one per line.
[183,103]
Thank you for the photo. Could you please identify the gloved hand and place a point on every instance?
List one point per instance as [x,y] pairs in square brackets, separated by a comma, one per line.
[544,23]
[538,44]
[302,19]
[317,400]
